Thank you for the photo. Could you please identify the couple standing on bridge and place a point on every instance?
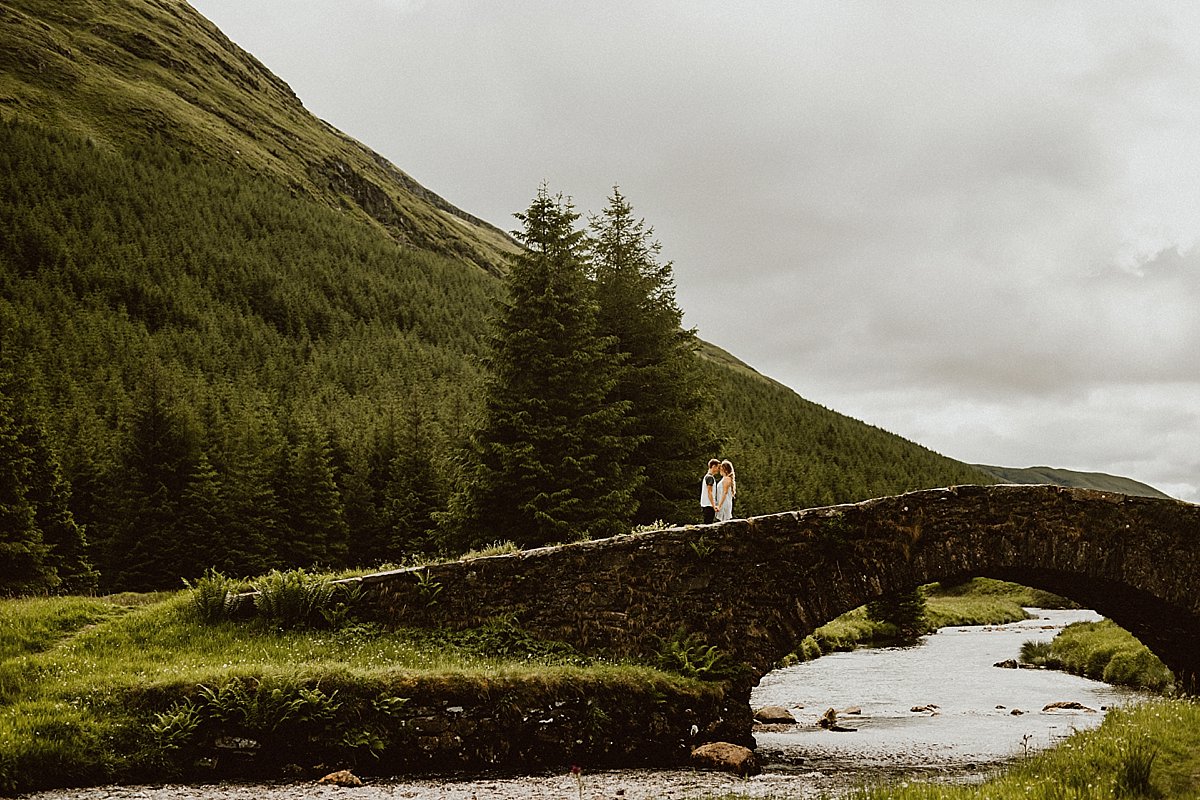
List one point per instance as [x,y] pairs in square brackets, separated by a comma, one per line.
[717,490]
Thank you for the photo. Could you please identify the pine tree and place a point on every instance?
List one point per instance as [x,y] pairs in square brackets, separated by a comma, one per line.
[54,553]
[252,522]
[548,459]
[413,492]
[317,525]
[24,556]
[203,543]
[160,455]
[50,494]
[659,377]
[905,610]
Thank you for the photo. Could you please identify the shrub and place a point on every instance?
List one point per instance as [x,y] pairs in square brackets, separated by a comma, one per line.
[1039,654]
[214,596]
[293,599]
[1101,651]
[1138,667]
[904,610]
[810,648]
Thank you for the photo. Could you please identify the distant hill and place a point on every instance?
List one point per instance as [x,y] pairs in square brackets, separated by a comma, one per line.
[1068,477]
[248,331]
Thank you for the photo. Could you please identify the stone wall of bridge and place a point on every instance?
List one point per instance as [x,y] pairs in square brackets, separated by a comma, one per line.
[756,587]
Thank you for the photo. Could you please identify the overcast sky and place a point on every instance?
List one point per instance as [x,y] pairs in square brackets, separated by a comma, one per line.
[971,224]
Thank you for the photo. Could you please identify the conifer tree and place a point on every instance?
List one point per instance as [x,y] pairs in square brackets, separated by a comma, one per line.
[24,556]
[161,452]
[50,494]
[54,552]
[203,543]
[549,457]
[658,376]
[252,523]
[317,526]
[412,492]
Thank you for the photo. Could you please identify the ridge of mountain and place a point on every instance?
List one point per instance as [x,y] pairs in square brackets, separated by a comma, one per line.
[1073,478]
[117,72]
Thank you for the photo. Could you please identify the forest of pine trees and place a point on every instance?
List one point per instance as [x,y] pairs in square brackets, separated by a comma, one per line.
[199,369]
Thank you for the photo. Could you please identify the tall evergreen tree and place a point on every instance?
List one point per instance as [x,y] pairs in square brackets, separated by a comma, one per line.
[160,456]
[317,525]
[548,458]
[46,551]
[413,492]
[252,525]
[659,377]
[202,544]
[24,556]
[50,494]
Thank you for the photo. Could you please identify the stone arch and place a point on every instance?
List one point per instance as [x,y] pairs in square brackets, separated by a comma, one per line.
[756,587]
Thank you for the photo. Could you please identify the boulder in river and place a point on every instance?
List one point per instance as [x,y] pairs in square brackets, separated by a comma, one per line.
[343,777]
[829,721]
[1067,705]
[1009,663]
[726,757]
[773,715]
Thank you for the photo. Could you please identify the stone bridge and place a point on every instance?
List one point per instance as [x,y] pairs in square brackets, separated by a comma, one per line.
[756,587]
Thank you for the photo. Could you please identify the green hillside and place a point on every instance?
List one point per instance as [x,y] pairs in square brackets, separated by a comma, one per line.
[1068,477]
[121,73]
[238,364]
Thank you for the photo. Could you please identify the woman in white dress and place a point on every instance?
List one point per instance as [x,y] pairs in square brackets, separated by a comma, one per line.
[726,491]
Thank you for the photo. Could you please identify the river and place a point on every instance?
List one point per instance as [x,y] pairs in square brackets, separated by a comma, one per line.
[969,728]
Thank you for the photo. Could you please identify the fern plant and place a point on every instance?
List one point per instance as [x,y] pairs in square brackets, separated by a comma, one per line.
[293,599]
[214,596]
[690,656]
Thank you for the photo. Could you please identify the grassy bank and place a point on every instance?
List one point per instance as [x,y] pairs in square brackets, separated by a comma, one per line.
[136,689]
[979,601]
[1102,651]
[1149,750]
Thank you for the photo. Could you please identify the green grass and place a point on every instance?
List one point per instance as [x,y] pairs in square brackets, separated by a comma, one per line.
[1102,651]
[34,624]
[90,690]
[1013,593]
[979,601]
[120,72]
[1149,750]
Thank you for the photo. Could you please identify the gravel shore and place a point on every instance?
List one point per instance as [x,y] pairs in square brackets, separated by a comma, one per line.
[617,785]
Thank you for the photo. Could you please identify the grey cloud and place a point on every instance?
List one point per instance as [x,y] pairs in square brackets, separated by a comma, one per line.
[973,225]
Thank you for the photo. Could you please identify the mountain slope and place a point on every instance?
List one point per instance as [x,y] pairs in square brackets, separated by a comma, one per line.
[125,72]
[242,365]
[1067,477]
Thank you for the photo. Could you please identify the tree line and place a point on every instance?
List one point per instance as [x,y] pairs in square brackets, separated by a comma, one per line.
[222,374]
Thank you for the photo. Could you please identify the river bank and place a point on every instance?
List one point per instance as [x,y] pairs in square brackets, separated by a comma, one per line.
[93,695]
[966,740]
